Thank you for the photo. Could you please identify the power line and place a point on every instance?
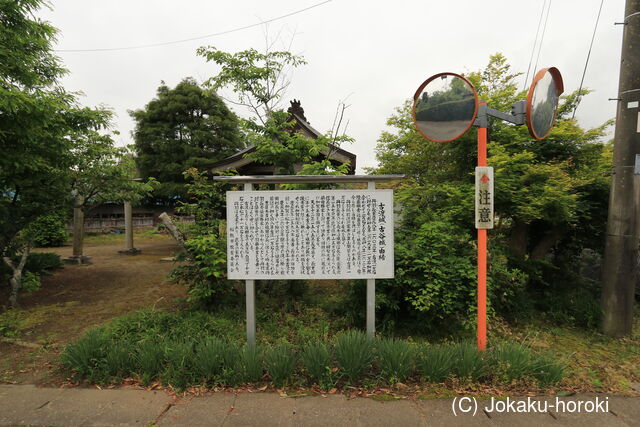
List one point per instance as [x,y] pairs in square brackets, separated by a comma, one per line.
[544,29]
[533,49]
[584,72]
[111,49]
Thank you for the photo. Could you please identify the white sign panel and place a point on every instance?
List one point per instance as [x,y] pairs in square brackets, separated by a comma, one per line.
[315,234]
[484,197]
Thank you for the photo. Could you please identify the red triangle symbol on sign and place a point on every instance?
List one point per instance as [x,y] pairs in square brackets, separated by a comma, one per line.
[484,179]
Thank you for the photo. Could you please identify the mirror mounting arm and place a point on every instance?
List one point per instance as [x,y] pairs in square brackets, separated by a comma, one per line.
[517,116]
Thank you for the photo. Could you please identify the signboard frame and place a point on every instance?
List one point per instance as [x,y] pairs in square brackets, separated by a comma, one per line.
[248,182]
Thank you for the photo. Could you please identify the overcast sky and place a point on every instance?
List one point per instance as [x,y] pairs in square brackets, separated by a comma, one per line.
[375,52]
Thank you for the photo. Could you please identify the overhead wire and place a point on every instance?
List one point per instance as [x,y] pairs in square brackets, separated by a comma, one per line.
[544,29]
[535,41]
[198,37]
[584,72]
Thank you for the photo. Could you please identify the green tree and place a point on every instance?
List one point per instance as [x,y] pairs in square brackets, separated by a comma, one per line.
[182,128]
[259,81]
[550,201]
[38,119]
[101,173]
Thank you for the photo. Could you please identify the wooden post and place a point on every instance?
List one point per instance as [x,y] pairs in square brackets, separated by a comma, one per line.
[620,269]
[250,300]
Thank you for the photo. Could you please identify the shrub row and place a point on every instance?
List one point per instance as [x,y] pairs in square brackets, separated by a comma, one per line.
[350,358]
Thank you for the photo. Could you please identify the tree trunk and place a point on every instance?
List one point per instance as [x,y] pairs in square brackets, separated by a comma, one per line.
[519,238]
[16,275]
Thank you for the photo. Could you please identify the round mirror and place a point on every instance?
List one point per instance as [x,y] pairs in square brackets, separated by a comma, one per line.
[444,107]
[542,101]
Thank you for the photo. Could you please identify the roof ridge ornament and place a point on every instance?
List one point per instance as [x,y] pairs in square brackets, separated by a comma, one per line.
[296,108]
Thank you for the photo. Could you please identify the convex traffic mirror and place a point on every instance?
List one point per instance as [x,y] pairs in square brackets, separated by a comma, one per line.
[542,101]
[444,107]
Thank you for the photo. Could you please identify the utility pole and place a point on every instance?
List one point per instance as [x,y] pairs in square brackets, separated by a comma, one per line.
[620,269]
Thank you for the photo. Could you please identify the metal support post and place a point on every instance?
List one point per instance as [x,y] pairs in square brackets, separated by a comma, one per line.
[250,299]
[371,292]
[482,251]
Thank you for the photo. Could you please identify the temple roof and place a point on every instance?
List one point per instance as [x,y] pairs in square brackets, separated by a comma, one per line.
[334,153]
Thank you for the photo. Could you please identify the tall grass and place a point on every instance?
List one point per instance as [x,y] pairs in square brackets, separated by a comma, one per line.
[150,360]
[210,359]
[316,360]
[280,361]
[120,361]
[468,363]
[354,354]
[178,370]
[121,349]
[510,361]
[434,362]
[86,355]
[249,364]
[396,358]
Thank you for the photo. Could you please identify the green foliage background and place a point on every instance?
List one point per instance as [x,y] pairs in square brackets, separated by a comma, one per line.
[550,203]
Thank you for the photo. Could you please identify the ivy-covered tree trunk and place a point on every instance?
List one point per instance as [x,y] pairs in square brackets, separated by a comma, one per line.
[15,280]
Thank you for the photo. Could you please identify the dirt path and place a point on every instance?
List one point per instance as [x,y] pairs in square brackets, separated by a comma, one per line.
[77,298]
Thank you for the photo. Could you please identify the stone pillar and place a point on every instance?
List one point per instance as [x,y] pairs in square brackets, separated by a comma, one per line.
[78,233]
[128,231]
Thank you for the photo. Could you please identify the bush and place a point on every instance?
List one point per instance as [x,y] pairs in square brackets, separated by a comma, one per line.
[396,358]
[317,362]
[38,264]
[280,362]
[43,262]
[354,354]
[205,275]
[48,231]
[434,362]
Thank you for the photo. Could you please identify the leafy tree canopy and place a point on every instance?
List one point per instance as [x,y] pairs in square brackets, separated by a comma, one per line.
[38,120]
[182,128]
[259,80]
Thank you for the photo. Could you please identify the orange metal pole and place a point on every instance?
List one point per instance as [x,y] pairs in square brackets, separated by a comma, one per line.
[482,254]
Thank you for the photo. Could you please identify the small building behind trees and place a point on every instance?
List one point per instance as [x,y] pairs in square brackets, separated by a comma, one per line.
[247,166]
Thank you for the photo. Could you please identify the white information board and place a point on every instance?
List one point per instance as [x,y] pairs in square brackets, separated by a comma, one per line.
[484,197]
[314,234]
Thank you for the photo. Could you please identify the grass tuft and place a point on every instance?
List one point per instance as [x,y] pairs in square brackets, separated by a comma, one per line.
[354,354]
[280,362]
[317,363]
[434,362]
[396,358]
